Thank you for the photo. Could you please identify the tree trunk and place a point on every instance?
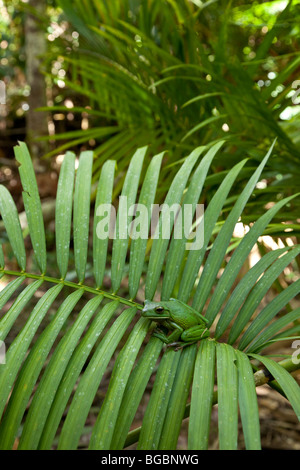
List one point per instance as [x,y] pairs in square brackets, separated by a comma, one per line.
[35,46]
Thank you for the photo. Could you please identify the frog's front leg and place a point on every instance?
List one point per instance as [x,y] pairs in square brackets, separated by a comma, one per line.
[191,336]
[160,330]
[173,337]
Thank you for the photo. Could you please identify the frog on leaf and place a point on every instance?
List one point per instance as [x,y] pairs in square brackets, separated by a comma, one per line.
[187,325]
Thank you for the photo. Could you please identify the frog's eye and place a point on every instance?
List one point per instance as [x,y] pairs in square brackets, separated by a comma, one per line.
[159,309]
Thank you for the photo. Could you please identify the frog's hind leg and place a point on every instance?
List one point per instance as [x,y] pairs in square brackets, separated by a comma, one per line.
[190,336]
[194,334]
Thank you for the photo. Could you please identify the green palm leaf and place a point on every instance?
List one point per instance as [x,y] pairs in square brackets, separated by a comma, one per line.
[72,373]
[82,198]
[76,332]
[150,72]
[156,411]
[202,396]
[134,391]
[32,205]
[227,397]
[248,402]
[285,380]
[63,216]
[10,217]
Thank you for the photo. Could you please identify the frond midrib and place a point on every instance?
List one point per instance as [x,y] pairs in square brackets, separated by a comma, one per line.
[73,285]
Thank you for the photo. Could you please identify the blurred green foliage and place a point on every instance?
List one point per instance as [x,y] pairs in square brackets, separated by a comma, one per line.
[168,74]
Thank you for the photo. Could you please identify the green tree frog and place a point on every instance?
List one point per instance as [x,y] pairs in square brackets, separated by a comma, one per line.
[188,326]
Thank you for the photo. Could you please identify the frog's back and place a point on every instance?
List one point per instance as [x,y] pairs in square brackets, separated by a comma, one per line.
[184,317]
[182,307]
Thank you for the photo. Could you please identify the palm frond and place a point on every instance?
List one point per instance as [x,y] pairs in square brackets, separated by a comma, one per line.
[65,336]
[151,74]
